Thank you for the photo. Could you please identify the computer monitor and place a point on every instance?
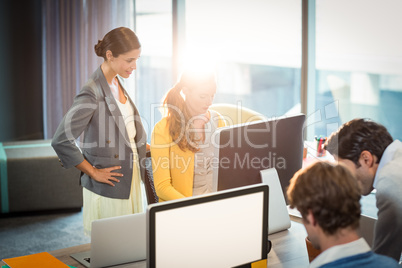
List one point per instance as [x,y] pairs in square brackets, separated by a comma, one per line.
[244,150]
[222,229]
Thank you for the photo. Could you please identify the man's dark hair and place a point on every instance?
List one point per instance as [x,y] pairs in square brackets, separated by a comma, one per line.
[356,136]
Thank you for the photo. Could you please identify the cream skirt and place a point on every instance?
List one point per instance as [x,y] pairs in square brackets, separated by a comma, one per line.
[99,207]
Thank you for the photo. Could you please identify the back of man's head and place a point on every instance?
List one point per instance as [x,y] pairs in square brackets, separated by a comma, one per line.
[356,136]
[330,192]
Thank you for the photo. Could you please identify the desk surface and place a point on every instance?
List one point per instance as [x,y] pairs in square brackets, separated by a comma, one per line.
[288,250]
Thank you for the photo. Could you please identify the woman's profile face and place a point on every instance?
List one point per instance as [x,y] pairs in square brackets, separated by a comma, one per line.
[200,97]
[125,63]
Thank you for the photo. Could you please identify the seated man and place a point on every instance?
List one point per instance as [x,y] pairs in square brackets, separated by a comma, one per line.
[370,153]
[328,198]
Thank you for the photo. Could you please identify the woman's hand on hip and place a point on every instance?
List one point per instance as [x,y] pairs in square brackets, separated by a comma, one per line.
[106,175]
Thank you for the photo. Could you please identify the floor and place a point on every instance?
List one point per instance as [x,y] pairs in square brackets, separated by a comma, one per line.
[34,233]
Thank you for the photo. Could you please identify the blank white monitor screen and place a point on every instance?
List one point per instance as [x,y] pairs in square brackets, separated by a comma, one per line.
[224,229]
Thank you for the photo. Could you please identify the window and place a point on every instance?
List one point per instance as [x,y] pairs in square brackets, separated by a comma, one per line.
[154,72]
[256,47]
[359,63]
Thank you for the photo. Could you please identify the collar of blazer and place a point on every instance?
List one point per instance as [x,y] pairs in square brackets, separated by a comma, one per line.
[112,105]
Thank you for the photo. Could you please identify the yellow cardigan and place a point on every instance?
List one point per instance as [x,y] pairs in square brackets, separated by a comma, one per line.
[173,168]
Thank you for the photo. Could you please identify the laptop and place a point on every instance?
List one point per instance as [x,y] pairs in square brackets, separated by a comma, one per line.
[279,218]
[116,240]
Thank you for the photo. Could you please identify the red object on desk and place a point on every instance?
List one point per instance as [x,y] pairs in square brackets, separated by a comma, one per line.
[319,146]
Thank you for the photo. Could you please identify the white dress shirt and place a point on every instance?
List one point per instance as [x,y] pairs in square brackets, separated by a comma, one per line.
[341,251]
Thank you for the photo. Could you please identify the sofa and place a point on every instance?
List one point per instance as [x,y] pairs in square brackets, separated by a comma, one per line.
[32,179]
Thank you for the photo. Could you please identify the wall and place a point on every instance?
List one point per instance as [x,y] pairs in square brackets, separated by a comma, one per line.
[20,70]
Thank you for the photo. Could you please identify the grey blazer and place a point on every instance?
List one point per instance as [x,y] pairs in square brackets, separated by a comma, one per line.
[105,142]
[388,228]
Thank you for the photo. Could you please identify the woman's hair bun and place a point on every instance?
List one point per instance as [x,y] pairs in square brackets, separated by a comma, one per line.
[98,49]
[119,41]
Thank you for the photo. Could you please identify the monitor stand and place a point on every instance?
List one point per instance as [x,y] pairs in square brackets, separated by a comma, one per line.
[278,216]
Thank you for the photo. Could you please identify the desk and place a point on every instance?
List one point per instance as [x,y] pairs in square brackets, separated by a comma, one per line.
[288,250]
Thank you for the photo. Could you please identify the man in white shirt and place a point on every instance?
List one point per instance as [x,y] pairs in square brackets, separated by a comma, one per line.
[371,154]
[328,198]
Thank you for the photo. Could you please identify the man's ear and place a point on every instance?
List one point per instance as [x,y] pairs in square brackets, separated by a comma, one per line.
[310,218]
[367,159]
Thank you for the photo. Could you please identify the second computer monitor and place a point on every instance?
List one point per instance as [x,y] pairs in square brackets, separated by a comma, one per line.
[222,229]
[245,149]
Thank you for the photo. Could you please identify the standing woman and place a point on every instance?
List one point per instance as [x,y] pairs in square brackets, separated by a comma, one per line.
[182,142]
[114,140]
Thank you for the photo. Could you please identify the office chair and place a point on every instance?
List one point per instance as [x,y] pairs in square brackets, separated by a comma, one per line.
[152,197]
[236,114]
